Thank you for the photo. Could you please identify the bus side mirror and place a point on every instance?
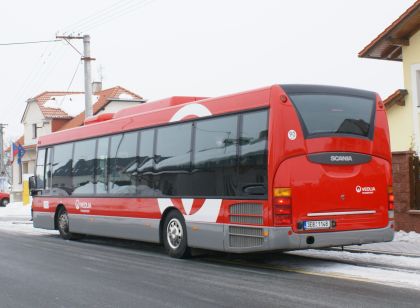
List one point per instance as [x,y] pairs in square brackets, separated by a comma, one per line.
[32,182]
[32,186]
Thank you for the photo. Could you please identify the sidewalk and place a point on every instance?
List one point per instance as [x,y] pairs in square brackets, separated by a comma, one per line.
[404,244]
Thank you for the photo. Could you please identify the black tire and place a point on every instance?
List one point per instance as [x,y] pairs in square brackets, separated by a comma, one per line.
[175,236]
[4,202]
[63,226]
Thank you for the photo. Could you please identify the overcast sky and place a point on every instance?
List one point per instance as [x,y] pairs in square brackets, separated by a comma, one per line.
[161,48]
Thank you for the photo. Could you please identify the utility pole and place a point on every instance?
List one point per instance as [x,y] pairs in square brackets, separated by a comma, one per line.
[87,65]
[88,76]
[2,168]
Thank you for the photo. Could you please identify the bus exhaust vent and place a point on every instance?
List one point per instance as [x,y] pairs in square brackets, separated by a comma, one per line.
[244,237]
[246,213]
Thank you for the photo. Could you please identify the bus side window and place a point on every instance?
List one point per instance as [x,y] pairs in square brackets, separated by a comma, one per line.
[123,164]
[83,166]
[48,170]
[145,187]
[214,171]
[173,160]
[101,166]
[62,182]
[40,169]
[253,153]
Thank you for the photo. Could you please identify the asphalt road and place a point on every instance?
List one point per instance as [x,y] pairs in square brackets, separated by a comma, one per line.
[46,271]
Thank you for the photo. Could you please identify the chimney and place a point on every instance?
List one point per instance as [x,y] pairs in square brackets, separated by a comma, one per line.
[96,86]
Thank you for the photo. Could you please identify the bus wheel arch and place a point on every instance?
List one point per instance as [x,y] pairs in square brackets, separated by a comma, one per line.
[61,223]
[173,233]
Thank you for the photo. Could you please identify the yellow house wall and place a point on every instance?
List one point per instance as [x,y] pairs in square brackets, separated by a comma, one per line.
[400,118]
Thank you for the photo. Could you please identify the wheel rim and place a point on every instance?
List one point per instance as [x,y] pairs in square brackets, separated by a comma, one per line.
[174,233]
[5,202]
[63,223]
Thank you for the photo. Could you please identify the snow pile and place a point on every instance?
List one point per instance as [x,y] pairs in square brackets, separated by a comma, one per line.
[16,209]
[72,104]
[408,237]
[380,260]
[16,217]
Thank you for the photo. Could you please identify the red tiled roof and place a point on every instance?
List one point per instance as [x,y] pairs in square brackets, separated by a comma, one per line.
[396,98]
[104,97]
[388,44]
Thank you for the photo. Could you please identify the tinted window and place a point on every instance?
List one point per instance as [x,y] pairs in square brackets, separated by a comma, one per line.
[40,169]
[48,169]
[83,166]
[173,160]
[324,114]
[253,153]
[101,166]
[62,166]
[215,157]
[145,169]
[123,164]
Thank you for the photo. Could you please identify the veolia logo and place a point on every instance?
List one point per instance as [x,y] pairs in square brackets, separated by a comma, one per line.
[366,190]
[346,158]
[82,205]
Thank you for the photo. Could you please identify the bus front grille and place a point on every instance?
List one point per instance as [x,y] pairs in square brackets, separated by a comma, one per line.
[244,237]
[246,213]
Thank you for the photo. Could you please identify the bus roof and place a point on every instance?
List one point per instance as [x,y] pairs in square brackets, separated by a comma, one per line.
[161,112]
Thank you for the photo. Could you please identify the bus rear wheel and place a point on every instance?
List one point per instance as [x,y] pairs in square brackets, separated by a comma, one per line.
[63,226]
[175,236]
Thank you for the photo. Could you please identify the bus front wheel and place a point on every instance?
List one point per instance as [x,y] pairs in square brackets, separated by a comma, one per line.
[63,226]
[175,236]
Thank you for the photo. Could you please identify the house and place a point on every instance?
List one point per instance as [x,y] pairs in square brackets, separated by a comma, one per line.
[401,42]
[49,112]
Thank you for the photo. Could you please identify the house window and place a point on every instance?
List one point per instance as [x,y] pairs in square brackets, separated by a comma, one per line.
[34,131]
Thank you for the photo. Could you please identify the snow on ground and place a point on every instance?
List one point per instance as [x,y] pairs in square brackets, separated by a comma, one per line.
[393,276]
[16,217]
[409,237]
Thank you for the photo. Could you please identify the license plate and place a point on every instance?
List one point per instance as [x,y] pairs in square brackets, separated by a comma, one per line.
[316,224]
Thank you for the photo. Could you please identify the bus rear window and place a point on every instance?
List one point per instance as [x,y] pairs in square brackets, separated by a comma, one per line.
[326,114]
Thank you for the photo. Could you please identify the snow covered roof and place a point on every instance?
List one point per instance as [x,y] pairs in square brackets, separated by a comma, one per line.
[105,97]
[70,105]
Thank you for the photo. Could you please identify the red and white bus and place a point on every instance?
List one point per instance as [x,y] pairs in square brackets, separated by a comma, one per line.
[278,168]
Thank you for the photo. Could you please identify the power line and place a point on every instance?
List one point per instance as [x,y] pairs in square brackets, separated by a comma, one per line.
[30,42]
[71,82]
[115,15]
[91,17]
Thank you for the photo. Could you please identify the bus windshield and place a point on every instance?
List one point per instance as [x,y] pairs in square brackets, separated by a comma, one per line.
[326,114]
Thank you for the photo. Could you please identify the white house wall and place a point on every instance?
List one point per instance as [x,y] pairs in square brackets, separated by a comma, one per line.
[34,115]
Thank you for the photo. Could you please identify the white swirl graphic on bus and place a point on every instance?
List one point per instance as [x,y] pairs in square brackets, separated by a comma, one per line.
[208,212]
[197,110]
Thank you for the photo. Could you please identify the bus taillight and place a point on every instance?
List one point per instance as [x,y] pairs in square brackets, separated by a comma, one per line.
[391,205]
[282,206]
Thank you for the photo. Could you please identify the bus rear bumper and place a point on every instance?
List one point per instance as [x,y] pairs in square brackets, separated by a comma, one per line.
[286,239]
